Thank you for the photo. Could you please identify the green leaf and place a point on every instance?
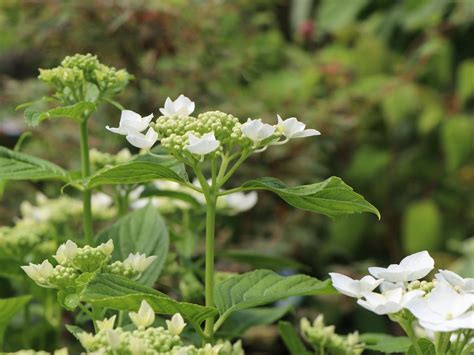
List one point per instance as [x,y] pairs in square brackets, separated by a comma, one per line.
[385,343]
[457,142]
[142,231]
[427,347]
[291,339]
[119,293]
[465,84]
[20,166]
[261,287]
[8,308]
[240,321]
[133,173]
[331,197]
[334,15]
[259,260]
[74,330]
[422,226]
[75,112]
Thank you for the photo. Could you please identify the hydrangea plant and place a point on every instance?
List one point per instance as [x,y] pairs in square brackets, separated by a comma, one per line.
[106,277]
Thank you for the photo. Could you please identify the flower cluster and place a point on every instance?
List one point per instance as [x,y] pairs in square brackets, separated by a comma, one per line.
[147,340]
[101,160]
[230,204]
[188,137]
[443,305]
[324,337]
[74,261]
[84,78]
[33,233]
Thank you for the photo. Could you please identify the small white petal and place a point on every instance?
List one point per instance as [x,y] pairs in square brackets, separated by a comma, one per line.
[202,145]
[182,106]
[176,324]
[144,317]
[143,141]
[411,268]
[106,324]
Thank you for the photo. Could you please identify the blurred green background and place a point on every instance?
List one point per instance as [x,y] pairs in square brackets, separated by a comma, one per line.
[390,84]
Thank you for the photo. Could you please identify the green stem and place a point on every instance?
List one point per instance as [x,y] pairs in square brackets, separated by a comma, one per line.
[89,313]
[86,196]
[407,327]
[211,200]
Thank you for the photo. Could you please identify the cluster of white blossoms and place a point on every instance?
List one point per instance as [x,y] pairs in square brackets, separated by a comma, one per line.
[444,304]
[73,261]
[230,204]
[209,132]
[146,339]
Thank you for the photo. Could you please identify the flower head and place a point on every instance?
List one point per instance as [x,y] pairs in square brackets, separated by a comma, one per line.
[256,130]
[39,273]
[107,248]
[142,141]
[106,324]
[176,324]
[443,310]
[182,106]
[139,262]
[241,202]
[292,128]
[66,252]
[131,122]
[353,288]
[412,267]
[144,317]
[391,301]
[456,281]
[204,145]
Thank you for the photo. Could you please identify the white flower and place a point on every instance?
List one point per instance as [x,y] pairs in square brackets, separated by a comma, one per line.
[86,339]
[143,141]
[139,262]
[443,310]
[39,273]
[353,288]
[176,324]
[113,338]
[66,252]
[256,130]
[456,281]
[387,286]
[240,202]
[107,248]
[204,145]
[292,128]
[131,122]
[101,201]
[106,324]
[413,267]
[144,317]
[391,301]
[182,106]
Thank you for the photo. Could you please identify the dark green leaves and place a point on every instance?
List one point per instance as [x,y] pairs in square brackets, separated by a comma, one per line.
[76,112]
[261,287]
[20,166]
[426,346]
[8,308]
[116,292]
[133,173]
[331,197]
[142,231]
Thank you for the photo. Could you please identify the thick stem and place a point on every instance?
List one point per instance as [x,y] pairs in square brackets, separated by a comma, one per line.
[211,200]
[85,171]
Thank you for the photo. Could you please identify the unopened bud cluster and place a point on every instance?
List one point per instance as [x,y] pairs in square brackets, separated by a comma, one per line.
[101,160]
[73,78]
[146,339]
[322,336]
[423,285]
[74,261]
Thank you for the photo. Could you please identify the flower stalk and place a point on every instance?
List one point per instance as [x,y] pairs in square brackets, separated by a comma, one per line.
[85,172]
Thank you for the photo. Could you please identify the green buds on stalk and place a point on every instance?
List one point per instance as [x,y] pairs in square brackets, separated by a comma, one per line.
[84,78]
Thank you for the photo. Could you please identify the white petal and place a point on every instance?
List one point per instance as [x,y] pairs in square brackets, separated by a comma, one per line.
[344,285]
[143,141]
[307,133]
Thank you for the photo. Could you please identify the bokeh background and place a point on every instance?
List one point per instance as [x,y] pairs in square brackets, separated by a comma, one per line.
[390,84]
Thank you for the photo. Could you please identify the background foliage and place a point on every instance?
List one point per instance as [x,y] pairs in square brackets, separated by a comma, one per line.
[390,84]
